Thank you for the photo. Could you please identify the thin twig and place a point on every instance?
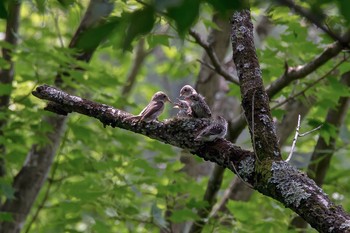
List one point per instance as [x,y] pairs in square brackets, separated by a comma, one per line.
[253,134]
[300,72]
[206,65]
[311,131]
[294,140]
[214,59]
[315,19]
[299,135]
[239,176]
[310,85]
[59,34]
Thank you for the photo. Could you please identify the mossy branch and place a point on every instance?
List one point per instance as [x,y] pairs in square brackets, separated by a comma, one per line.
[276,179]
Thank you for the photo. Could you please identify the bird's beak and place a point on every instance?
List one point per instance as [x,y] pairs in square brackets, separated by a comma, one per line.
[169,100]
[176,106]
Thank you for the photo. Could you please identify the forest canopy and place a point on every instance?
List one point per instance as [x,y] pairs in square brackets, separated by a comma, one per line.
[72,73]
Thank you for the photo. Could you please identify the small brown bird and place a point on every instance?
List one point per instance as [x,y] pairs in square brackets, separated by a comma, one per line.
[154,108]
[184,109]
[217,129]
[187,90]
[199,107]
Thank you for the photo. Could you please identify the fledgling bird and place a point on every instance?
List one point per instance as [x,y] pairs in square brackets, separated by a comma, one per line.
[217,129]
[184,109]
[199,107]
[154,108]
[187,90]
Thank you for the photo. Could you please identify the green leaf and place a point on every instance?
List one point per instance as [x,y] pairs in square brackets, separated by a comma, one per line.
[92,37]
[6,217]
[184,15]
[6,189]
[40,4]
[328,131]
[131,210]
[66,3]
[155,40]
[241,210]
[183,215]
[70,206]
[7,45]
[224,6]
[278,113]
[5,89]
[210,24]
[101,226]
[140,22]
[3,11]
[164,4]
[193,203]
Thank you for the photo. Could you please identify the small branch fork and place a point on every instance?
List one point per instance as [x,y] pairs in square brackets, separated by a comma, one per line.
[297,134]
[214,59]
[309,86]
[315,19]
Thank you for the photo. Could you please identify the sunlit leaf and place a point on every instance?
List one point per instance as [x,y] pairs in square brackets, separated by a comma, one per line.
[183,215]
[140,22]
[92,37]
[154,40]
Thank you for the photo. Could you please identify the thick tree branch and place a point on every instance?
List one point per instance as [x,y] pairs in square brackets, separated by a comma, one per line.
[276,179]
[289,76]
[255,101]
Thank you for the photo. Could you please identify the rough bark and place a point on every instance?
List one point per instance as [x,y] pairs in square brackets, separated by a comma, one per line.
[255,100]
[33,174]
[276,179]
[290,75]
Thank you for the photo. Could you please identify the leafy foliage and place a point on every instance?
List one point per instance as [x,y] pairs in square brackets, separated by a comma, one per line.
[109,180]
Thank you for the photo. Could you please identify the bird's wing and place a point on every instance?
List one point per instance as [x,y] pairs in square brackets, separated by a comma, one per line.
[211,130]
[143,110]
[152,108]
